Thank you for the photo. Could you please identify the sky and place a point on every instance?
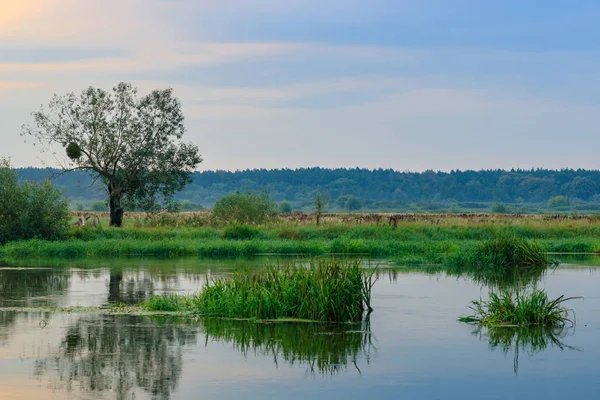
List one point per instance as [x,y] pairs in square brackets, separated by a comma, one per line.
[404,84]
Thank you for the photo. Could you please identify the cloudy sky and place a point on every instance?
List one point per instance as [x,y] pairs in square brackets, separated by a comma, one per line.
[403,84]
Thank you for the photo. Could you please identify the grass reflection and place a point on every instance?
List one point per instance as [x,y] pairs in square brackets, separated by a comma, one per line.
[489,277]
[122,354]
[528,340]
[322,348]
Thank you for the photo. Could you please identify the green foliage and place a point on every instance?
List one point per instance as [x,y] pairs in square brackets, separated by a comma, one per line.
[519,309]
[321,201]
[559,201]
[386,189]
[285,207]
[172,206]
[30,210]
[326,290]
[98,206]
[499,208]
[245,208]
[240,232]
[503,252]
[353,203]
[132,144]
[581,187]
[187,205]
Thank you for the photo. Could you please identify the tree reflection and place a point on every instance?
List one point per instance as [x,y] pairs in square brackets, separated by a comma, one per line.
[531,340]
[327,349]
[27,288]
[120,354]
[31,287]
[125,353]
[129,291]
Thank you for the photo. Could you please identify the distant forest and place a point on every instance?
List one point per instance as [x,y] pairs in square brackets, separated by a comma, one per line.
[378,190]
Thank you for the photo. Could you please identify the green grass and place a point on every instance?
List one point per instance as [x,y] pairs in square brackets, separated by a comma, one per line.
[507,308]
[409,243]
[503,252]
[499,259]
[325,290]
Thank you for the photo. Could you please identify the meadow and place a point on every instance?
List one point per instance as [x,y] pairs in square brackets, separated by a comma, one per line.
[406,239]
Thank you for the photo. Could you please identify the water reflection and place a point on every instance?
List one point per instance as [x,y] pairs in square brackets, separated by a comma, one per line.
[133,290]
[99,353]
[422,351]
[119,354]
[532,340]
[326,349]
[30,287]
[493,278]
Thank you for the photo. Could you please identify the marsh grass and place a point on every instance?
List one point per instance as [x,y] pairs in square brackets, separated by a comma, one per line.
[502,252]
[324,290]
[446,240]
[240,232]
[519,309]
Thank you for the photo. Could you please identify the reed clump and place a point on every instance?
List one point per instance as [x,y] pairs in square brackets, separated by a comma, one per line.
[519,309]
[324,290]
[503,252]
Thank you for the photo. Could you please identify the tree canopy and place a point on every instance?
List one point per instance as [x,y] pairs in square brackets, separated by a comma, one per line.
[132,144]
[379,189]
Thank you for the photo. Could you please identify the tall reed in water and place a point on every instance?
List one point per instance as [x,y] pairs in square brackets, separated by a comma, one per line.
[508,308]
[323,290]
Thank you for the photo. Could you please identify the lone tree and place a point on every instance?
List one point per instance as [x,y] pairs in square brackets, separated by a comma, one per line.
[131,144]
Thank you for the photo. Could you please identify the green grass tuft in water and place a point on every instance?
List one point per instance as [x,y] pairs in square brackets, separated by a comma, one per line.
[325,290]
[503,252]
[506,308]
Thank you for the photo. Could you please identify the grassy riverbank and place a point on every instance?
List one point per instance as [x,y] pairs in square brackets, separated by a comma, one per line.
[425,240]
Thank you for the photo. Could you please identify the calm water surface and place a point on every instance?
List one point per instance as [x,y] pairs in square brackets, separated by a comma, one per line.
[412,346]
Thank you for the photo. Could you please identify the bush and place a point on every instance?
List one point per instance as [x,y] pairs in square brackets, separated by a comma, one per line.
[99,206]
[240,232]
[499,208]
[353,203]
[187,205]
[559,201]
[245,208]
[285,207]
[30,210]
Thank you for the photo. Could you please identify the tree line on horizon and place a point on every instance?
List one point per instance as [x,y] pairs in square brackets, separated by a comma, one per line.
[364,188]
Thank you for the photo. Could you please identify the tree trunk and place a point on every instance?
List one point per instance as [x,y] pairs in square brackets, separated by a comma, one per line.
[116,212]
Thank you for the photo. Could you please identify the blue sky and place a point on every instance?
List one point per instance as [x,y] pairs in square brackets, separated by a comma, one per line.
[410,85]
